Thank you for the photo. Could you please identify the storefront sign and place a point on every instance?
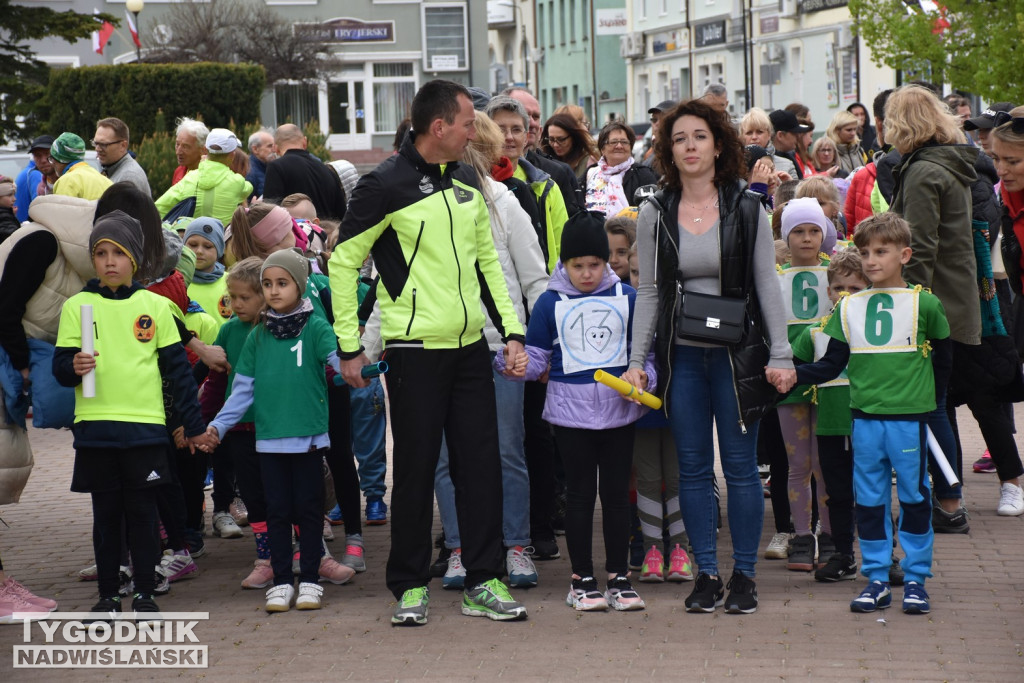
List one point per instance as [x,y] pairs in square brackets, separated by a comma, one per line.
[712,33]
[808,6]
[769,24]
[610,22]
[349,30]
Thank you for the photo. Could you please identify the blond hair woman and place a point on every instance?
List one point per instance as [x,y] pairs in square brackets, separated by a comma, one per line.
[843,131]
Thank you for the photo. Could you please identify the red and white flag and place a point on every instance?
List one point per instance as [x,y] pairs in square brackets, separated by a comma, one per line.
[131,27]
[101,37]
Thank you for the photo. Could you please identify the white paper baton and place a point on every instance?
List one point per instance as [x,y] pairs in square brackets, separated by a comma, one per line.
[88,346]
[940,459]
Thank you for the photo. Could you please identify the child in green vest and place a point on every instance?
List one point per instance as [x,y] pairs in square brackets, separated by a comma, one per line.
[205,237]
[280,373]
[120,433]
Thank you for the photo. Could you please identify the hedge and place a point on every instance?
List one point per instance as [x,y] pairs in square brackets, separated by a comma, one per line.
[219,94]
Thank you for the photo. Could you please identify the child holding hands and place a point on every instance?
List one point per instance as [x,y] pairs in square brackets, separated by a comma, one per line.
[280,373]
[582,323]
[896,340]
[120,434]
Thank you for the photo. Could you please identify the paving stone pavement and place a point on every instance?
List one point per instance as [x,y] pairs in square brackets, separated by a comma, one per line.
[802,629]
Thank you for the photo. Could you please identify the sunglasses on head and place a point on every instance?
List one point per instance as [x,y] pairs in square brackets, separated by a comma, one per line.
[1016,122]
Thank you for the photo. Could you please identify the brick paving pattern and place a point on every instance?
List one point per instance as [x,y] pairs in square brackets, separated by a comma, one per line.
[802,629]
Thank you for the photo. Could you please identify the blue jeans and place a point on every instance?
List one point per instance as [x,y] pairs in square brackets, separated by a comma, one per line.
[938,422]
[702,390]
[369,424]
[515,482]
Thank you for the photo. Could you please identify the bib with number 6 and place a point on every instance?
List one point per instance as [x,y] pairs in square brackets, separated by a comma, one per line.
[881,320]
[805,293]
[592,331]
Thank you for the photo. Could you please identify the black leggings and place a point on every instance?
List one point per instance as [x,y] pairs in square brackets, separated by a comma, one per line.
[240,447]
[137,509]
[836,457]
[340,459]
[296,496]
[996,425]
[539,447]
[586,452]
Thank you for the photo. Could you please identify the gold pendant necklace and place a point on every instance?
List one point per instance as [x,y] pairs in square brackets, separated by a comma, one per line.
[700,218]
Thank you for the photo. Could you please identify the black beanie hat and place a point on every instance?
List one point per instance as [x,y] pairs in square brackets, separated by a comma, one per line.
[584,235]
[122,230]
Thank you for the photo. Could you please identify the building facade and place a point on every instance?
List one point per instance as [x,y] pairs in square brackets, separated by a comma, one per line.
[386,49]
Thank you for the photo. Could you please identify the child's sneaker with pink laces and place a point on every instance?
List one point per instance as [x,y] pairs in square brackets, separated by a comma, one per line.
[679,566]
[653,568]
[354,556]
[335,572]
[261,575]
[12,587]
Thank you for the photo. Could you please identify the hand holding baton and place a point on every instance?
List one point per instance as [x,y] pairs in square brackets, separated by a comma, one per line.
[89,347]
[627,389]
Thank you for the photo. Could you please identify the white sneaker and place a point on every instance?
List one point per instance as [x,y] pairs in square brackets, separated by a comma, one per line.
[455,577]
[778,549]
[309,596]
[1011,500]
[279,598]
[328,531]
[522,572]
[224,525]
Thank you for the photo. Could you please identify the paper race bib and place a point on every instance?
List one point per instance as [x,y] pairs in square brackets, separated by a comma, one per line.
[592,331]
[805,293]
[881,321]
[820,341]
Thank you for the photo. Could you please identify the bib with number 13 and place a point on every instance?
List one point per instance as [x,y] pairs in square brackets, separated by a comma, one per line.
[592,331]
[805,294]
[881,320]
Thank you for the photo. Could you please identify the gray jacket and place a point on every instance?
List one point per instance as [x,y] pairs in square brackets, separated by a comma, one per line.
[126,169]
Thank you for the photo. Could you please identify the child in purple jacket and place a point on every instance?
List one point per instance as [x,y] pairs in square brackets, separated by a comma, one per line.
[581,324]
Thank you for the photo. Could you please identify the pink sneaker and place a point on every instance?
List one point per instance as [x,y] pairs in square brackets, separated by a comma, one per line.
[261,575]
[679,566]
[335,572]
[12,587]
[653,568]
[11,604]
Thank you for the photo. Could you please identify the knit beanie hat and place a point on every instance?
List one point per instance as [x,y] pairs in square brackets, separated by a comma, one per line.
[186,263]
[273,227]
[209,229]
[122,231]
[583,235]
[292,260]
[68,147]
[808,210]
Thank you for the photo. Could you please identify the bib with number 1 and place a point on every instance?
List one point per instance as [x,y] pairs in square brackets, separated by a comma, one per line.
[881,321]
[805,294]
[592,331]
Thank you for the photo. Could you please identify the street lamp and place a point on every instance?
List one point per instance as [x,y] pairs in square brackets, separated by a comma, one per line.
[135,6]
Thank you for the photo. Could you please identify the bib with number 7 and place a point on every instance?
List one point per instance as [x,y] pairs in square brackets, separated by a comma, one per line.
[592,331]
[881,320]
[805,294]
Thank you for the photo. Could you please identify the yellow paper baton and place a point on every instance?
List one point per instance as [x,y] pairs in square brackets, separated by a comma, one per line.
[627,389]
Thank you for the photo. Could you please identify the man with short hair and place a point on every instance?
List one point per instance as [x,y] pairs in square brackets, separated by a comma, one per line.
[716,97]
[31,177]
[217,189]
[787,128]
[261,152]
[75,177]
[298,171]
[983,124]
[111,145]
[427,224]
[189,146]
[656,113]
[561,173]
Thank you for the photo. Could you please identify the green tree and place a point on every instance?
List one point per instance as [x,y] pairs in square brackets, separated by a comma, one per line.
[980,51]
[22,76]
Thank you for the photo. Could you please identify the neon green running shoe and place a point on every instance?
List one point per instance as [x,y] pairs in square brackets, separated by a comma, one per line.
[491,599]
[412,608]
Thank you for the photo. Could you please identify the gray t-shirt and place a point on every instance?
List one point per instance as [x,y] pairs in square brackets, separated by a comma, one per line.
[700,262]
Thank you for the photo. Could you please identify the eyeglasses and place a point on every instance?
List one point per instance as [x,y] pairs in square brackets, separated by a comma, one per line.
[514,131]
[102,146]
[1016,122]
[559,141]
[617,143]
[51,159]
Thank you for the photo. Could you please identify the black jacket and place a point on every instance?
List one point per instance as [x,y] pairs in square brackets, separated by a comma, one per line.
[8,223]
[739,211]
[299,171]
[564,177]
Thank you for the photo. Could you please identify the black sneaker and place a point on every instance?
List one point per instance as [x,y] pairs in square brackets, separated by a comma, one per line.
[801,553]
[707,594]
[105,609]
[145,608]
[839,567]
[895,572]
[440,565]
[950,522]
[742,595]
[545,549]
[826,548]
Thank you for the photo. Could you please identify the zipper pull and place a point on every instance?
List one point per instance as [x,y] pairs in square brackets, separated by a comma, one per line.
[743,427]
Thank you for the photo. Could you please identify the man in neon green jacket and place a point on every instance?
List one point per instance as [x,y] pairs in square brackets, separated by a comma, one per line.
[218,190]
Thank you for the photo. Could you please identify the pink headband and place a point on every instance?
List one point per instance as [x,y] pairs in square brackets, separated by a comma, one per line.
[273,227]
